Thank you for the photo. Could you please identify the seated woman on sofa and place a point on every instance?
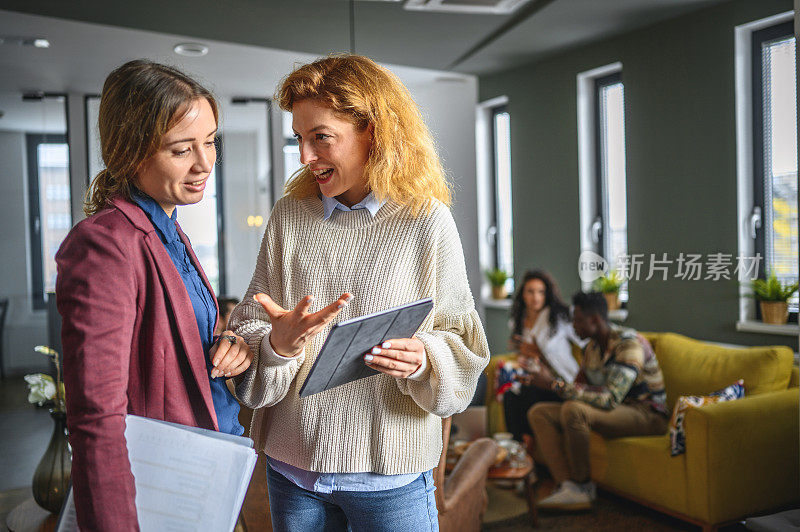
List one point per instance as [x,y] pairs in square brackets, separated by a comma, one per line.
[541,334]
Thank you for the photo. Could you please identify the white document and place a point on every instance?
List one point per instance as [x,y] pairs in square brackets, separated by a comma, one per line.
[187,478]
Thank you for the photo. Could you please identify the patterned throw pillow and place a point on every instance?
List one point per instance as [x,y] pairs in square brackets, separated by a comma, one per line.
[677,435]
[506,375]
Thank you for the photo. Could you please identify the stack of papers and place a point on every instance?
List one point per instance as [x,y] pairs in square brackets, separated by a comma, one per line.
[187,478]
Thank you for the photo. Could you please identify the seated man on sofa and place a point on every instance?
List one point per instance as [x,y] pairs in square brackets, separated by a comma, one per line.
[618,392]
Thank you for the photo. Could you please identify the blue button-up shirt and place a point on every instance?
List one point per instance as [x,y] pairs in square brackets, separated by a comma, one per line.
[330,482]
[205,311]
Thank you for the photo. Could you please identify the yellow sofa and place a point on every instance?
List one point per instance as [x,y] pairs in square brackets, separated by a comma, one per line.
[742,457]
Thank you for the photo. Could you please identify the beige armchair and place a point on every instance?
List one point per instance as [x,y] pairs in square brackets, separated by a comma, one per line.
[461,497]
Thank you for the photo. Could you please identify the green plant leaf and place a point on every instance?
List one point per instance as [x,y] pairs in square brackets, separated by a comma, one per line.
[771,289]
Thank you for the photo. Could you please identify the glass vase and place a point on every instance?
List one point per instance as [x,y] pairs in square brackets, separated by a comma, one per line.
[51,479]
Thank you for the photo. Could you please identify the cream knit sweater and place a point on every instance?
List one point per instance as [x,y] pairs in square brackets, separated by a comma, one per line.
[379,424]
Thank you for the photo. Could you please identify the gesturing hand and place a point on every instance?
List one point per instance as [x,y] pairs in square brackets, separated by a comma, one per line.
[291,329]
[400,357]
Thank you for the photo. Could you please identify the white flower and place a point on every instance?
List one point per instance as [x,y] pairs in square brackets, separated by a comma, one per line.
[41,388]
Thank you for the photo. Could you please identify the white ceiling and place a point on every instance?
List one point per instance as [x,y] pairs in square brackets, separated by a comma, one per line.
[383,30]
[82,54]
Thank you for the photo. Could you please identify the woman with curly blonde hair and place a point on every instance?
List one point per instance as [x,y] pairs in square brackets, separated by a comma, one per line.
[365,224]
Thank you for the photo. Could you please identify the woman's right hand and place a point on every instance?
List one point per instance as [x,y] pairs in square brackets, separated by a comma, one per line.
[291,329]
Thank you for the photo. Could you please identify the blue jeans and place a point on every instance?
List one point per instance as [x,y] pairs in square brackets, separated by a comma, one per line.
[408,508]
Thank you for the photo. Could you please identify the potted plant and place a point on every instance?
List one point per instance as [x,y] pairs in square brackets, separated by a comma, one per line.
[497,278]
[773,296]
[609,286]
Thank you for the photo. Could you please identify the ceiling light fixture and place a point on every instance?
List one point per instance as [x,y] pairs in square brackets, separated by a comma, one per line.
[36,42]
[191,49]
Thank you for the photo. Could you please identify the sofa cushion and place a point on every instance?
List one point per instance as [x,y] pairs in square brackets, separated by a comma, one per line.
[693,367]
[640,467]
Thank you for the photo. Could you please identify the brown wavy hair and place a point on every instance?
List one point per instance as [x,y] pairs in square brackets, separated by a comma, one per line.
[552,300]
[402,164]
[141,101]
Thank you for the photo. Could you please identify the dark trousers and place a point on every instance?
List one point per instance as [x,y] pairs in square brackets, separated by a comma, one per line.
[515,408]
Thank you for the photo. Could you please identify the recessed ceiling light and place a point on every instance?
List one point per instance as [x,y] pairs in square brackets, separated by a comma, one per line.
[191,49]
[37,42]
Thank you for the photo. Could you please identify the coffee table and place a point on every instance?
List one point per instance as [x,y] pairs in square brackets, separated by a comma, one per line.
[506,472]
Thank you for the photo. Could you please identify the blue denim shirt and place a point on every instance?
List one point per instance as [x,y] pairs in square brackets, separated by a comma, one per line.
[330,482]
[205,312]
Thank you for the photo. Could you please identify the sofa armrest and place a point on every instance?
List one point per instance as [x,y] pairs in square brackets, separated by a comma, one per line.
[742,456]
[495,421]
[470,471]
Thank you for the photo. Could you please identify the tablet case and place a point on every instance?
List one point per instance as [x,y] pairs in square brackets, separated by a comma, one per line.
[341,359]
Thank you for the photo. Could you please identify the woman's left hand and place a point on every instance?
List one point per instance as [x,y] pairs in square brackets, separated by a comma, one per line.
[400,357]
[230,358]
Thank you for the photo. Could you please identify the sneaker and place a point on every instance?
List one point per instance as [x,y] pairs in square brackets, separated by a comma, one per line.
[590,488]
[569,497]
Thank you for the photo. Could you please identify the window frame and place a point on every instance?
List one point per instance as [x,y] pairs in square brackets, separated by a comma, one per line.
[494,212]
[487,196]
[220,193]
[748,117]
[591,187]
[601,184]
[758,39]
[37,253]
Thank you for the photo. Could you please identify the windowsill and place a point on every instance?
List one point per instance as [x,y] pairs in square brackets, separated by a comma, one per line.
[790,329]
[619,315]
[502,304]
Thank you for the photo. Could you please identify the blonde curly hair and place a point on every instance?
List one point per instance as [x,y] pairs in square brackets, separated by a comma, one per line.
[403,165]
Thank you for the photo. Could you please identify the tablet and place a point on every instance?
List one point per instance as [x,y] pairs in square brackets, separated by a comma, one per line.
[341,359]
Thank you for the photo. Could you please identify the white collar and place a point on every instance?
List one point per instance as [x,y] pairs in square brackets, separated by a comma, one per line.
[370,203]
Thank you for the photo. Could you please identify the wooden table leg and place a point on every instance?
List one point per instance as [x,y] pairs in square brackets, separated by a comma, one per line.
[530,495]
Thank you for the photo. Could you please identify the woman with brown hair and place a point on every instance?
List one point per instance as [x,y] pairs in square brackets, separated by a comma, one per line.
[138,313]
[541,334]
[365,223]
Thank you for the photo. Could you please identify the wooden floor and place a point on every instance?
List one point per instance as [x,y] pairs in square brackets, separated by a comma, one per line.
[25,431]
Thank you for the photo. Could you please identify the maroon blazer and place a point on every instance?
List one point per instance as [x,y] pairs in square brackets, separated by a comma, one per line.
[131,346]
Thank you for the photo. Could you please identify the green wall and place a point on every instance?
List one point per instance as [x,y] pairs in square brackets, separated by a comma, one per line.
[681,165]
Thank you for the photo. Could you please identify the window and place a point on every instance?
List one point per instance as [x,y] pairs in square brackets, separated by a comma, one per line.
[291,149]
[202,223]
[49,208]
[611,207]
[766,158]
[501,234]
[94,158]
[774,215]
[603,198]
[495,216]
